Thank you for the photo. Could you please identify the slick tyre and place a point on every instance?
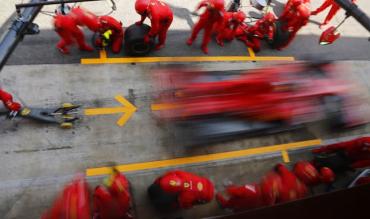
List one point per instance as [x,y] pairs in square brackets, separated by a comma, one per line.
[134,40]
[333,106]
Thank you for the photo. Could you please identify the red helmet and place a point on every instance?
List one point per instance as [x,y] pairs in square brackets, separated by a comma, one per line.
[307,173]
[270,187]
[269,17]
[116,182]
[327,175]
[141,6]
[296,3]
[239,16]
[171,183]
[304,11]
[217,4]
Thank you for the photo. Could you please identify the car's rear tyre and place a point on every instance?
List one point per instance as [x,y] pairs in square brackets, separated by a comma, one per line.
[333,106]
[134,40]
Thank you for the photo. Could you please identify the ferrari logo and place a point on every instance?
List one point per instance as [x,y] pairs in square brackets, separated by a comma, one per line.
[173,183]
[200,186]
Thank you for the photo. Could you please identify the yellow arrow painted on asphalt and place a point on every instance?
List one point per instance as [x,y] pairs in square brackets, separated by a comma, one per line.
[127,108]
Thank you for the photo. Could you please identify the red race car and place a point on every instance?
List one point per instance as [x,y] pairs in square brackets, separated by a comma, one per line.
[219,105]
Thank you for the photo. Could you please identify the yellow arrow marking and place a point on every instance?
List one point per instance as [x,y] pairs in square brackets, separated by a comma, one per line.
[127,108]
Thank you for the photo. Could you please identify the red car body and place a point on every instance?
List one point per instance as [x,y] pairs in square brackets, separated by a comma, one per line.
[292,93]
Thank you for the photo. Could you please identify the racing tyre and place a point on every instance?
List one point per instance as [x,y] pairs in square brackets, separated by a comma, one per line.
[337,161]
[134,40]
[333,106]
[280,36]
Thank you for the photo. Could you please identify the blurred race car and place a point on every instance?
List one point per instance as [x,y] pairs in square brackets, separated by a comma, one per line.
[217,105]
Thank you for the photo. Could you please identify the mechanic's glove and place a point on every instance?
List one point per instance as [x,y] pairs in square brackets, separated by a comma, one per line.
[106,37]
[13,106]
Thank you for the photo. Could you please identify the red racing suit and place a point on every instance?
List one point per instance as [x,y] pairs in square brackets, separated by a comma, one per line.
[247,197]
[254,34]
[113,202]
[296,15]
[74,202]
[112,27]
[241,197]
[69,32]
[226,29]
[242,34]
[271,185]
[292,188]
[8,102]
[357,150]
[213,14]
[67,28]
[307,173]
[86,18]
[161,16]
[189,188]
[333,10]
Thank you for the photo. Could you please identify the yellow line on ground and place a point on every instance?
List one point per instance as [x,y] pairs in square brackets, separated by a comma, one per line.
[90,61]
[251,52]
[203,158]
[103,54]
[285,155]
